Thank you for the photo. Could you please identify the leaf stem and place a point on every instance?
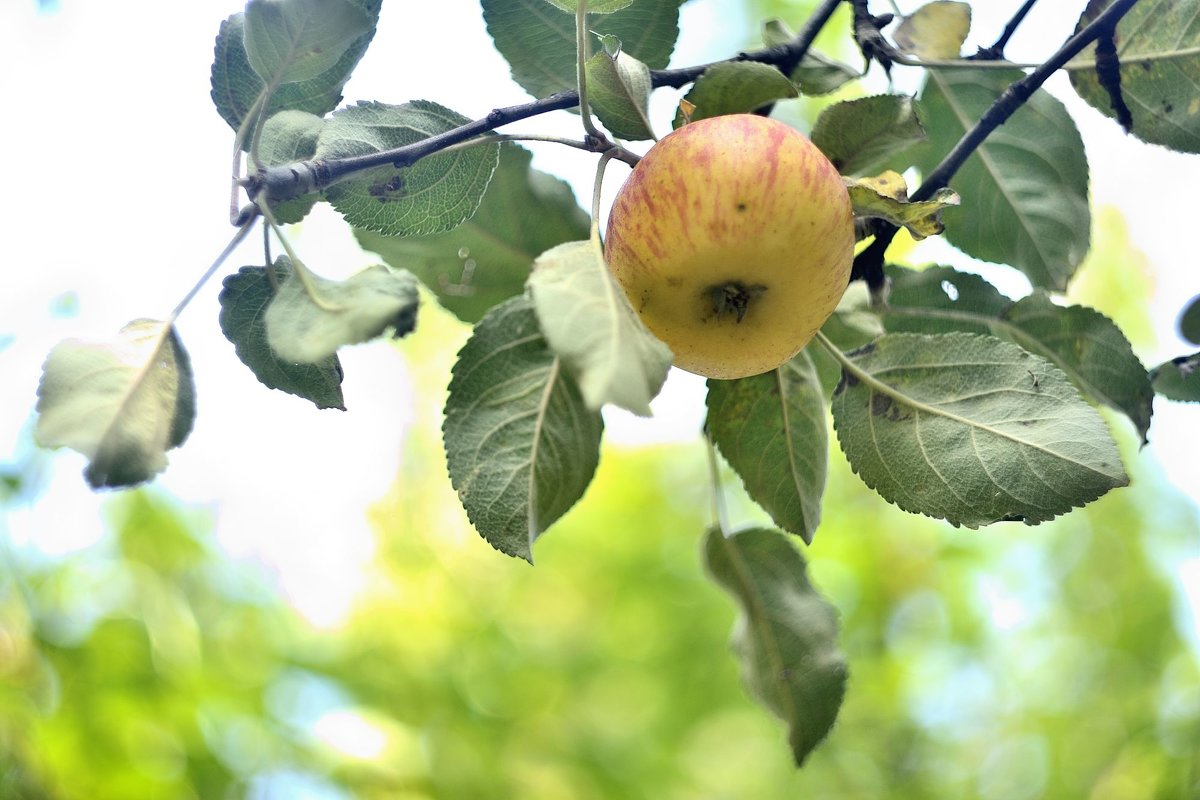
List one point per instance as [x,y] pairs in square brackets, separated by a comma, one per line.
[719,512]
[585,112]
[298,269]
[596,187]
[241,234]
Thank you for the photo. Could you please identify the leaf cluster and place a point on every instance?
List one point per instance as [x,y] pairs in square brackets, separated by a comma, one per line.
[947,398]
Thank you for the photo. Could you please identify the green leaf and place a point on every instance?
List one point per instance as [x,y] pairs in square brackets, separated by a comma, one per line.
[539,42]
[1179,379]
[815,74]
[1158,46]
[244,298]
[1025,190]
[735,87]
[290,136]
[306,324]
[295,40]
[588,322]
[771,429]
[860,135]
[1082,342]
[486,260]
[619,94]
[235,85]
[785,638]
[123,402]
[941,299]
[434,195]
[936,30]
[521,444]
[971,429]
[1189,321]
[593,6]
[886,197]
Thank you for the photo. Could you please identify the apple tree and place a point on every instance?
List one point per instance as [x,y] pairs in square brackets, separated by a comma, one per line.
[948,398]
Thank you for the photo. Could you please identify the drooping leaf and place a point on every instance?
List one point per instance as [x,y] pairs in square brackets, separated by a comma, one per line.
[1158,46]
[432,196]
[885,196]
[971,429]
[771,430]
[295,40]
[244,299]
[1025,190]
[290,136]
[593,6]
[486,260]
[735,87]
[816,74]
[936,30]
[619,93]
[1082,342]
[860,135]
[538,41]
[306,324]
[589,324]
[122,402]
[1189,321]
[521,444]
[785,638]
[235,85]
[1179,379]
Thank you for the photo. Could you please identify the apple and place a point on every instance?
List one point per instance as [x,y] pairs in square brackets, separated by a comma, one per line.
[733,239]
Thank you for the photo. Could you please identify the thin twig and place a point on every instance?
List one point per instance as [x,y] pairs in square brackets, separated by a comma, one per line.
[996,51]
[241,234]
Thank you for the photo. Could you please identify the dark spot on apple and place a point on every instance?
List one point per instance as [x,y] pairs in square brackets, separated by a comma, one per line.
[674,282]
[741,207]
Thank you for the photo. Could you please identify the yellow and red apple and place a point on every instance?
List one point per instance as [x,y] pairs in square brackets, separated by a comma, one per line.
[733,239]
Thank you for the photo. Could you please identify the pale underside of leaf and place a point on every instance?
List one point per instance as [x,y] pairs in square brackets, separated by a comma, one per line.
[588,322]
[310,318]
[786,636]
[1087,346]
[122,403]
[971,429]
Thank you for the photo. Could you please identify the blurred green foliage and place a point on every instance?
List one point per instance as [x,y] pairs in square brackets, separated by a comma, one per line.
[1010,663]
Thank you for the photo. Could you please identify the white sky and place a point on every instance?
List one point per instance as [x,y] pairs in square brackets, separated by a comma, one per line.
[118,174]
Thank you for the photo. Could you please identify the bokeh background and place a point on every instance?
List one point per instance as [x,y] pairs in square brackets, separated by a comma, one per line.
[299,608]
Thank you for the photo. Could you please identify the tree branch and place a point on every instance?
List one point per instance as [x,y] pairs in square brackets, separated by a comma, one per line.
[286,181]
[868,265]
[996,51]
